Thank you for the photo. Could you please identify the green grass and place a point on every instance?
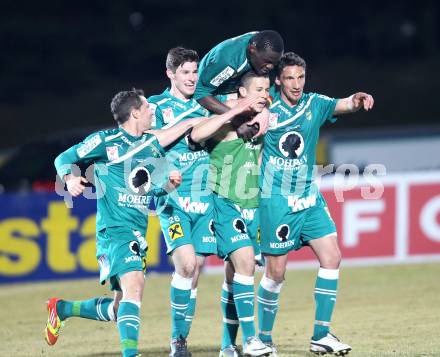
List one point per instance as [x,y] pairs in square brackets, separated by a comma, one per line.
[381,311]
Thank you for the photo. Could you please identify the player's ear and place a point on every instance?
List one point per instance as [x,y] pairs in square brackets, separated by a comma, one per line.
[252,48]
[277,81]
[242,91]
[170,74]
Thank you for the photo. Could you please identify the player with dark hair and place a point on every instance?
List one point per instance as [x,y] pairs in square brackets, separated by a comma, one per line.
[129,168]
[221,69]
[296,118]
[233,177]
[187,216]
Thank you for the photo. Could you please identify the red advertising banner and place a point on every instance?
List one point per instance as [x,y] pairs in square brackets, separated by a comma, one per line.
[399,224]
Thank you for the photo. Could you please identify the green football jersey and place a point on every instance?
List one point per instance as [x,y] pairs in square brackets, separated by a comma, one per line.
[221,69]
[289,152]
[127,171]
[233,170]
[187,157]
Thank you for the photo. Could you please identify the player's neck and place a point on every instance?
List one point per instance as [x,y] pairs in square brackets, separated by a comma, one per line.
[178,94]
[132,129]
[287,101]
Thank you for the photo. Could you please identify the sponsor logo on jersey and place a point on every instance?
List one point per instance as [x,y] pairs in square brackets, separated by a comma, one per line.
[126,140]
[124,198]
[239,226]
[139,180]
[300,106]
[175,231]
[246,213]
[291,144]
[193,207]
[285,110]
[309,115]
[168,115]
[283,232]
[301,203]
[112,152]
[211,226]
[239,237]
[222,76]
[179,105]
[251,146]
[287,164]
[192,156]
[134,247]
[273,120]
[280,245]
[88,145]
[209,239]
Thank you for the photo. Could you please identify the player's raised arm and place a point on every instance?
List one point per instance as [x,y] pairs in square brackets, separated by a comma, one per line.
[354,103]
[213,105]
[90,150]
[208,128]
[167,136]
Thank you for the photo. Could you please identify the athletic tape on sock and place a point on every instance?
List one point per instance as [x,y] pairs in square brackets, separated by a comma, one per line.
[270,285]
[180,282]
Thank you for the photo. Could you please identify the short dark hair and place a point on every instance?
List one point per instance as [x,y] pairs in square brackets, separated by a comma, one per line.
[244,80]
[178,56]
[268,40]
[124,102]
[290,59]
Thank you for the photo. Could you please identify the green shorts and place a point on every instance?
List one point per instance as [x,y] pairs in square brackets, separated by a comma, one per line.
[283,230]
[118,252]
[187,222]
[235,227]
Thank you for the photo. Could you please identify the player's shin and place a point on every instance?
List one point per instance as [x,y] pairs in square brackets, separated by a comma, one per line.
[128,326]
[230,317]
[243,290]
[180,294]
[325,299]
[100,308]
[267,297]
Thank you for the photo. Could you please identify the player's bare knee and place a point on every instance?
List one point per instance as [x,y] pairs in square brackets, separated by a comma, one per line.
[187,268]
[331,260]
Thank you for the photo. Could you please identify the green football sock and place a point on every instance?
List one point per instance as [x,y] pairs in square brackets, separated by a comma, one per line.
[128,326]
[243,290]
[190,311]
[325,299]
[100,309]
[267,298]
[230,318]
[180,294]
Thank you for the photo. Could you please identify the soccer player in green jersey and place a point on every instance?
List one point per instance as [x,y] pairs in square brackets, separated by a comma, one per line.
[129,167]
[222,67]
[233,177]
[292,210]
[186,217]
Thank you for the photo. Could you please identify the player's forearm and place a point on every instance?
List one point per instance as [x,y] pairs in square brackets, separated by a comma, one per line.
[345,106]
[208,128]
[170,135]
[213,105]
[65,161]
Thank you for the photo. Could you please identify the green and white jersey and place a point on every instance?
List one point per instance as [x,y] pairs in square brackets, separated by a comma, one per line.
[222,67]
[233,170]
[190,159]
[289,152]
[127,170]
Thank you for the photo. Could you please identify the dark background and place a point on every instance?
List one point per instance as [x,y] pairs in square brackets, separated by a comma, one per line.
[61,62]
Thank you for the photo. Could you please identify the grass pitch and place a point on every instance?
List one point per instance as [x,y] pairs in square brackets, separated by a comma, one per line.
[381,311]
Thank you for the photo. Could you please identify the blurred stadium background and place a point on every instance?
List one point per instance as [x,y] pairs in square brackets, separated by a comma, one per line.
[63,61]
